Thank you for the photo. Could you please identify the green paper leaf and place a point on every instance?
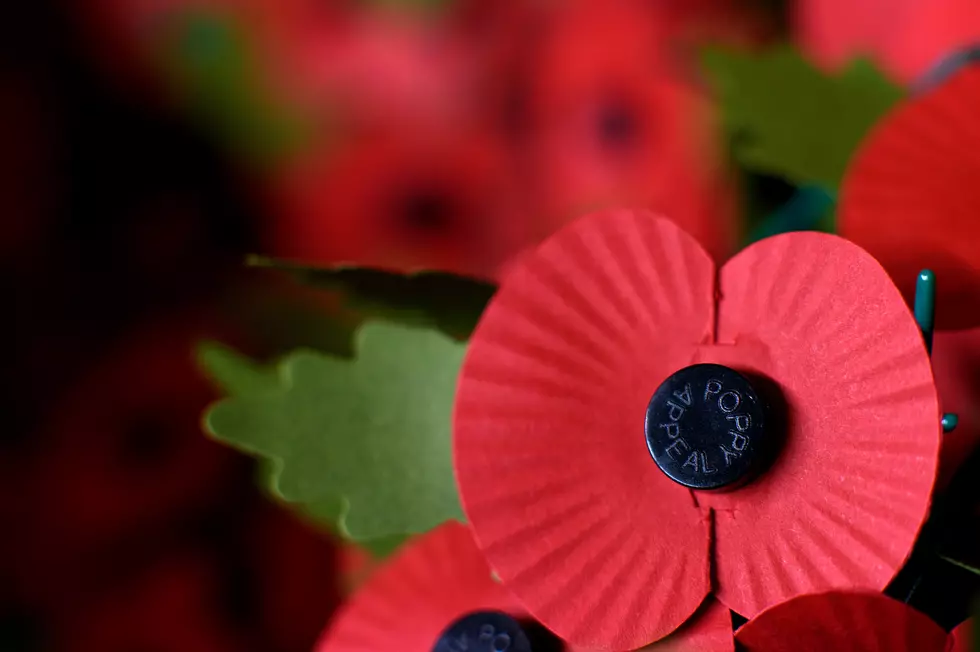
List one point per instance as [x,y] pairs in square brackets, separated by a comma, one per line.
[233,373]
[372,432]
[453,304]
[785,117]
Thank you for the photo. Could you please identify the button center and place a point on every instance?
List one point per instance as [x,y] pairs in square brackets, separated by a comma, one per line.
[705,427]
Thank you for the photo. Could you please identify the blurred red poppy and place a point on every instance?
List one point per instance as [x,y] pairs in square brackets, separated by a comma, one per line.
[847,622]
[550,456]
[297,583]
[124,455]
[911,199]
[403,198]
[905,37]
[433,580]
[176,605]
[613,123]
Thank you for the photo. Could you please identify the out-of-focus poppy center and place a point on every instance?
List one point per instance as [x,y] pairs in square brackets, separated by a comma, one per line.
[617,124]
[146,441]
[483,631]
[706,427]
[426,209]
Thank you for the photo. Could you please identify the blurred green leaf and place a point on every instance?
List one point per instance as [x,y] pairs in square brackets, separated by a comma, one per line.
[785,117]
[372,433]
[209,58]
[452,304]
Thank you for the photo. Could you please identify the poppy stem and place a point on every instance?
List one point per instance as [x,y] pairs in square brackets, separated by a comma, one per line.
[925,305]
[950,421]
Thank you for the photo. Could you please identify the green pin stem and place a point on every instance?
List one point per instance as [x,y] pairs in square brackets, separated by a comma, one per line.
[925,317]
[925,305]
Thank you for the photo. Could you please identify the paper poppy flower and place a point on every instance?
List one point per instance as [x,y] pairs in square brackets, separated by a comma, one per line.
[905,37]
[909,196]
[407,603]
[847,622]
[612,122]
[123,454]
[553,441]
[404,198]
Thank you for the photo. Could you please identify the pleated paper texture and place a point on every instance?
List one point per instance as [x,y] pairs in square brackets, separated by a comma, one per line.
[842,622]
[911,197]
[407,603]
[551,458]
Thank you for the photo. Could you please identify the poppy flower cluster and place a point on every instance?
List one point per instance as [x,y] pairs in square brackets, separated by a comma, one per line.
[453,140]
[619,514]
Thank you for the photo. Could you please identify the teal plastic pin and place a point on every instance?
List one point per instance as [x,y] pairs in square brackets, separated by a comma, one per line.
[925,305]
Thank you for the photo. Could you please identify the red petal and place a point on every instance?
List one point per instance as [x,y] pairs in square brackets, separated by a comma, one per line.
[911,198]
[956,365]
[406,604]
[963,638]
[842,622]
[848,492]
[551,462]
[710,630]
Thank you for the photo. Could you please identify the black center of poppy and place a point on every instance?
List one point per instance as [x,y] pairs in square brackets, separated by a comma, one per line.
[617,124]
[426,209]
[483,631]
[706,427]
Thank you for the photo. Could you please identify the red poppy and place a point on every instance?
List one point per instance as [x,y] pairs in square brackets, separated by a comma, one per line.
[905,37]
[847,622]
[296,577]
[911,199]
[123,455]
[405,198]
[175,606]
[553,471]
[407,603]
[612,122]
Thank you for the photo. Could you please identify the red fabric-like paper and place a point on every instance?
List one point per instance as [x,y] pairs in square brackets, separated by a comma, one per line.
[551,460]
[844,501]
[842,622]
[911,199]
[408,602]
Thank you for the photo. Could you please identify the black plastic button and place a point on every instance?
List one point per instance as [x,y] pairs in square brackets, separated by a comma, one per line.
[705,427]
[483,631]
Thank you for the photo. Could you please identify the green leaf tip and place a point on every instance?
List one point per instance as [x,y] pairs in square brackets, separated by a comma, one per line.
[787,118]
[372,433]
[233,373]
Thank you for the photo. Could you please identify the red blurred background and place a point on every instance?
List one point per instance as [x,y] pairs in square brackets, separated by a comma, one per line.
[149,145]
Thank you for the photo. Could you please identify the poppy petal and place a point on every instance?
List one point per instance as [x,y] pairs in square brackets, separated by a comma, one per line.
[910,196]
[963,637]
[408,602]
[847,493]
[710,630]
[843,622]
[551,462]
[956,365]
